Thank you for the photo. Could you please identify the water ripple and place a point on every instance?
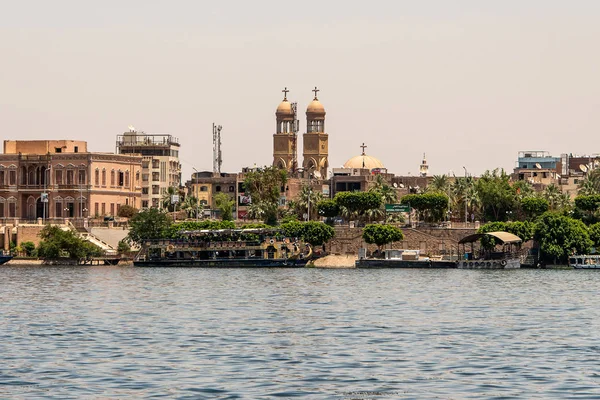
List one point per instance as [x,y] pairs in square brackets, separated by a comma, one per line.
[110,332]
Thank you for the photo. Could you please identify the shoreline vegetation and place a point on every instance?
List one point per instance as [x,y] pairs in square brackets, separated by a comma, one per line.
[555,225]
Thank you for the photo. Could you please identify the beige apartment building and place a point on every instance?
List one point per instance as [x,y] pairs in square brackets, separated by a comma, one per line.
[161,168]
[59,179]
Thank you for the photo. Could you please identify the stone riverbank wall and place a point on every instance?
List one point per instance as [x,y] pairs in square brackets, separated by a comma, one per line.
[431,241]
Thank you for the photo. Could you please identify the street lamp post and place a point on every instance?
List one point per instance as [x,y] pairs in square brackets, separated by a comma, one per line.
[466,218]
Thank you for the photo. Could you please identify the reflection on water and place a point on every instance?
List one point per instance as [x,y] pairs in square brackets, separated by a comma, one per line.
[255,333]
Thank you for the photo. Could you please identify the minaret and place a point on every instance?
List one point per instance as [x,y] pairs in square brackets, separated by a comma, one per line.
[285,138]
[423,168]
[315,141]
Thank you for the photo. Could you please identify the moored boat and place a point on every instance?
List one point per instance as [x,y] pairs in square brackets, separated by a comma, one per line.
[585,261]
[393,258]
[503,252]
[225,248]
[5,258]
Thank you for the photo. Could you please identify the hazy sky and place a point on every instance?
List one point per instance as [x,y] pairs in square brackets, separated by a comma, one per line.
[469,82]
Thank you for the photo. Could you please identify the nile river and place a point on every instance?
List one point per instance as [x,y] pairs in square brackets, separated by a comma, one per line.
[121,332]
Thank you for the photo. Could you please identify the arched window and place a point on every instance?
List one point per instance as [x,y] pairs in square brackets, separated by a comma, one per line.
[204,188]
[112,178]
[97,177]
[127,178]
[103,177]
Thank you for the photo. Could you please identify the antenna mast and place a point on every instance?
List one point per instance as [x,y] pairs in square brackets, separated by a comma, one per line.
[295,128]
[217,156]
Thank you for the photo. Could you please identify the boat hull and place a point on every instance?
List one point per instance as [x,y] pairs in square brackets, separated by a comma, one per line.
[513,263]
[5,259]
[391,263]
[223,263]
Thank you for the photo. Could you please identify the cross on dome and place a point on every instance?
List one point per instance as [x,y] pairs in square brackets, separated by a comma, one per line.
[285,92]
[316,91]
[364,146]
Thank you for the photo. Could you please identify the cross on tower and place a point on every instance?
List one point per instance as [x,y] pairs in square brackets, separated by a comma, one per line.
[364,146]
[285,92]
[316,91]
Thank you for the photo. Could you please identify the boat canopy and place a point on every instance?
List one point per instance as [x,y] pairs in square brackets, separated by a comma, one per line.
[504,237]
[229,231]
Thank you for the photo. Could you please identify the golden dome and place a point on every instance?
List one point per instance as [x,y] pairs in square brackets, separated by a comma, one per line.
[315,107]
[284,108]
[363,161]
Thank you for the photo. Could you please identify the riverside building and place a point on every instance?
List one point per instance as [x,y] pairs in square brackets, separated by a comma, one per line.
[60,179]
[161,168]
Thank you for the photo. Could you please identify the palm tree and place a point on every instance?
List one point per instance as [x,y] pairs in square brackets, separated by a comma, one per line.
[308,198]
[388,194]
[166,198]
[591,184]
[440,184]
[191,206]
[553,194]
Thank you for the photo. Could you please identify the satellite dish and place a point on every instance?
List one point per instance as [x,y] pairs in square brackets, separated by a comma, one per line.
[538,166]
[582,167]
[395,185]
[557,176]
[317,174]
[402,185]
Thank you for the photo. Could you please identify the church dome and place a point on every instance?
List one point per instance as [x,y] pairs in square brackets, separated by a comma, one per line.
[315,107]
[363,161]
[284,108]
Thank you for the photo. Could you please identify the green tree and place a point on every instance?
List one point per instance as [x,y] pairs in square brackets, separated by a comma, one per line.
[439,184]
[224,204]
[387,193]
[496,194]
[356,204]
[381,234]
[314,232]
[431,206]
[560,236]
[28,248]
[308,198]
[264,186]
[594,231]
[151,223]
[126,211]
[591,184]
[533,207]
[167,197]
[588,208]
[328,209]
[57,242]
[123,246]
[191,206]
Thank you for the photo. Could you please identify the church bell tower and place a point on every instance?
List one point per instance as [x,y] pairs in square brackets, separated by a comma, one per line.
[315,141]
[285,137]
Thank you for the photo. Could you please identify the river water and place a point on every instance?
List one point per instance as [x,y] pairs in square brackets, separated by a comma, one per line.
[122,332]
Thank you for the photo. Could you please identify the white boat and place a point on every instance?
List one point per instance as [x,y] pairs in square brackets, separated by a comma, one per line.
[585,261]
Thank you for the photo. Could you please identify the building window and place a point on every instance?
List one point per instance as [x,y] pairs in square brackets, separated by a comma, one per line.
[2,210]
[103,177]
[12,209]
[103,208]
[231,189]
[76,149]
[81,178]
[218,189]
[70,179]
[2,178]
[112,208]
[112,178]
[137,177]
[204,188]
[97,177]
[57,150]
[121,178]
[127,178]
[12,177]
[59,179]
[145,190]
[144,203]
[96,209]
[58,209]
